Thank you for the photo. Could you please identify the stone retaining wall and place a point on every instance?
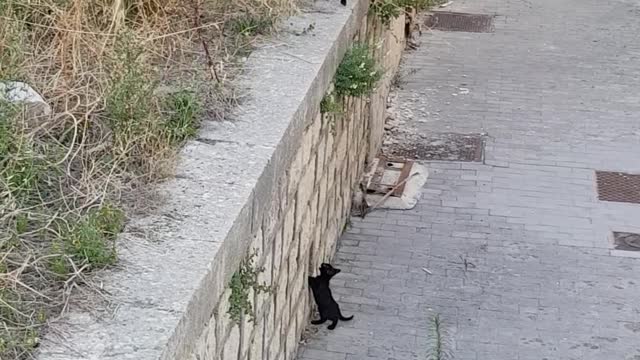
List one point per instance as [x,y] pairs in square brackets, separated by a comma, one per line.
[308,214]
[277,181]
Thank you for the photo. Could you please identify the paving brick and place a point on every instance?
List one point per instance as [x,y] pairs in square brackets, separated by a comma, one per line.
[556,94]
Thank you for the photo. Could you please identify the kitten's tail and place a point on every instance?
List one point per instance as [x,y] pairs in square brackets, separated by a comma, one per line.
[345,318]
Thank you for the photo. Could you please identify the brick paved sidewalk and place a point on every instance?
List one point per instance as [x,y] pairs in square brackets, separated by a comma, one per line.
[557,89]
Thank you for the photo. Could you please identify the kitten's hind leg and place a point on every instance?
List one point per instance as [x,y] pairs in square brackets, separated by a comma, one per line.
[333,324]
[318,322]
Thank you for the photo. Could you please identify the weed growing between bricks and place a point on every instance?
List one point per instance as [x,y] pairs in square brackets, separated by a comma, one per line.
[439,346]
[243,284]
[330,105]
[388,10]
[356,76]
[127,83]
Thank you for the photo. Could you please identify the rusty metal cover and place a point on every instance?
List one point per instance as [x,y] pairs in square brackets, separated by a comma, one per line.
[440,146]
[626,241]
[388,174]
[452,21]
[618,187]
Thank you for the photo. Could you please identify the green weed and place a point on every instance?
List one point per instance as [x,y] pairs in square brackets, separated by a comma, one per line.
[242,282]
[91,240]
[252,24]
[12,313]
[129,99]
[21,166]
[11,38]
[388,10]
[182,122]
[330,105]
[59,265]
[357,74]
[8,136]
[21,223]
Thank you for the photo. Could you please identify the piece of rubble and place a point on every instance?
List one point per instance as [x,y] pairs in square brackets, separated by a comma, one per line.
[21,93]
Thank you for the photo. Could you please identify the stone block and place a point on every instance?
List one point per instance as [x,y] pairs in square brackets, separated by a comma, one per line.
[256,247]
[292,261]
[295,172]
[302,313]
[274,342]
[232,344]
[306,237]
[314,206]
[257,342]
[246,327]
[264,277]
[288,232]
[269,316]
[305,189]
[274,346]
[310,138]
[273,217]
[223,322]
[281,296]
[206,346]
[322,191]
[321,156]
[277,254]
[291,343]
[331,138]
[341,150]
[331,173]
[315,257]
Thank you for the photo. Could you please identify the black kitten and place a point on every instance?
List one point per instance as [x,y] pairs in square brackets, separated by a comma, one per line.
[343,2]
[327,306]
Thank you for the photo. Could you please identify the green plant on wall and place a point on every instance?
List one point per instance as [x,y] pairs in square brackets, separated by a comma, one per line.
[387,10]
[357,74]
[330,105]
[243,281]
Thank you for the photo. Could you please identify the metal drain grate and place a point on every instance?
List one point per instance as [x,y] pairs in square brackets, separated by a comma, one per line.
[388,175]
[626,241]
[618,187]
[446,147]
[452,21]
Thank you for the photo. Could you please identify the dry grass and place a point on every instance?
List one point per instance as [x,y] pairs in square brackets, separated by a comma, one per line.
[128,81]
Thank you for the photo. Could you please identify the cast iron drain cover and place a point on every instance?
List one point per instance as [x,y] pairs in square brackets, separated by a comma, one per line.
[626,241]
[618,187]
[447,147]
[452,21]
[388,175]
